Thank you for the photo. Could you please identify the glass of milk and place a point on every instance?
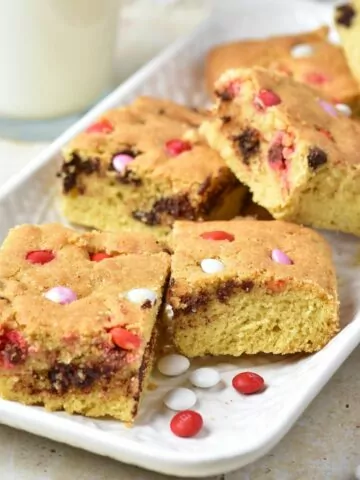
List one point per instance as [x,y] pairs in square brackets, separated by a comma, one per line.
[56,58]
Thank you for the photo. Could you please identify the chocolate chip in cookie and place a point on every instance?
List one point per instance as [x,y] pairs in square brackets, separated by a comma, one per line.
[72,169]
[345,15]
[316,158]
[248,143]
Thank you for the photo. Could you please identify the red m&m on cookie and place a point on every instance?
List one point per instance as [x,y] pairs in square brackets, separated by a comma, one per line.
[102,126]
[98,257]
[176,146]
[125,339]
[217,235]
[40,256]
[266,98]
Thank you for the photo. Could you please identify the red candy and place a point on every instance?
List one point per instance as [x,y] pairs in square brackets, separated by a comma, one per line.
[176,146]
[217,235]
[98,257]
[233,88]
[325,132]
[267,98]
[248,383]
[40,256]
[316,78]
[186,423]
[102,126]
[13,348]
[125,339]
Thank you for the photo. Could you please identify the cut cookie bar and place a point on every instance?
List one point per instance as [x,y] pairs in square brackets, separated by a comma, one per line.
[347,21]
[134,170]
[246,286]
[309,57]
[297,153]
[78,318]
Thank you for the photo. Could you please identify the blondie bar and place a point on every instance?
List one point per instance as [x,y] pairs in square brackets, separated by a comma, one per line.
[296,152]
[309,57]
[134,169]
[347,21]
[78,318]
[247,286]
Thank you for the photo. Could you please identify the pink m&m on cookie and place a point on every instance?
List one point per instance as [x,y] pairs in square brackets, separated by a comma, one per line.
[120,161]
[328,108]
[62,295]
[280,257]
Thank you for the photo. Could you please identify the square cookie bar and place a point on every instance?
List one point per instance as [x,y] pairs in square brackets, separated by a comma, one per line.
[347,21]
[78,318]
[309,57]
[134,170]
[297,153]
[246,286]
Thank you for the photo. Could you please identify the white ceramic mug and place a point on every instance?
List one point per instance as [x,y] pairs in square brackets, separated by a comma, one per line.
[56,56]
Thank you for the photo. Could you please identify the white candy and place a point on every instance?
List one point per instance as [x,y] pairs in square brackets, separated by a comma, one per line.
[204,377]
[180,399]
[141,295]
[344,109]
[210,265]
[302,50]
[169,312]
[173,365]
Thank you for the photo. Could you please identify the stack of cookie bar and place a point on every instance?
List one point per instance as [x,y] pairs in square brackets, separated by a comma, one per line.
[80,312]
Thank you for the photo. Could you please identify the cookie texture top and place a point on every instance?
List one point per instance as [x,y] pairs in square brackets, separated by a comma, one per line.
[250,251]
[98,269]
[159,140]
[281,107]
[308,57]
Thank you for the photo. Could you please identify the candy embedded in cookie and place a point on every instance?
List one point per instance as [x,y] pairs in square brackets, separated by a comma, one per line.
[309,58]
[275,293]
[78,318]
[148,170]
[290,147]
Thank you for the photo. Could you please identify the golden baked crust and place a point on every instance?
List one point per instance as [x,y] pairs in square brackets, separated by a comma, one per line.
[325,69]
[155,188]
[254,304]
[64,354]
[295,154]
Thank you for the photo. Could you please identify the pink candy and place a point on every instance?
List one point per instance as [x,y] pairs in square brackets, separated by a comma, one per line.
[329,108]
[120,161]
[280,257]
[316,78]
[62,295]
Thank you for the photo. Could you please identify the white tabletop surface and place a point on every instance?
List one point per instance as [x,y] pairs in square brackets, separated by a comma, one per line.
[324,444]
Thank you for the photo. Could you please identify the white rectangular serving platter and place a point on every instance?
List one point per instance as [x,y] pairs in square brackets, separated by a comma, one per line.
[238,429]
